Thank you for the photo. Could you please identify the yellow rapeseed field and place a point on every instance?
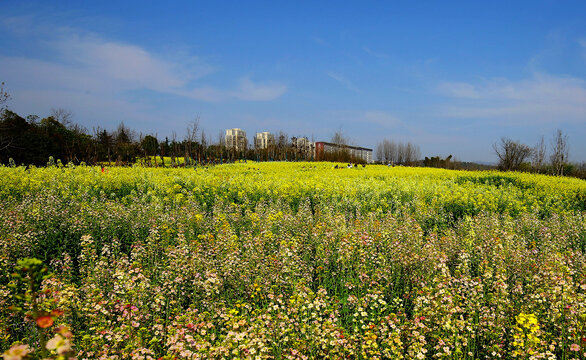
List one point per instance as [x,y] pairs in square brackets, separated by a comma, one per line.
[291,261]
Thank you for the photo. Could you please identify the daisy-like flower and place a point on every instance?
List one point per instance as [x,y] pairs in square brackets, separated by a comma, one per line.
[17,352]
[59,344]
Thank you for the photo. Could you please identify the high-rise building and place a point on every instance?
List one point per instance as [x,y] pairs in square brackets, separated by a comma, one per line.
[236,139]
[263,140]
[303,146]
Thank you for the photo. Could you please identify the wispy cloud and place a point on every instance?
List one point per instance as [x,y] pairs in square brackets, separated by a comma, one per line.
[130,65]
[85,62]
[541,98]
[380,118]
[361,118]
[247,90]
[343,80]
[376,54]
[19,25]
[582,43]
[319,41]
[459,90]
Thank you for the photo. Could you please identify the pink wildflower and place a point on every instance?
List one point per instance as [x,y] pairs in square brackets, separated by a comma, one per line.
[59,344]
[17,352]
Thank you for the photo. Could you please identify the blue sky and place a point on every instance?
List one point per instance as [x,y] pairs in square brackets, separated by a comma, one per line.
[450,76]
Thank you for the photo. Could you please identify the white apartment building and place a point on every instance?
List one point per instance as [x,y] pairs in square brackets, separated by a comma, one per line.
[303,146]
[263,140]
[236,139]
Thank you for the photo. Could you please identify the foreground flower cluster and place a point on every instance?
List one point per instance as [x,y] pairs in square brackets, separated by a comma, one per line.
[291,261]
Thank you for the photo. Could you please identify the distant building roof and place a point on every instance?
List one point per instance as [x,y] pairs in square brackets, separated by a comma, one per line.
[346,146]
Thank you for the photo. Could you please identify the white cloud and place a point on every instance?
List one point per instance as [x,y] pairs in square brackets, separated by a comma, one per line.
[129,64]
[541,98]
[204,93]
[87,63]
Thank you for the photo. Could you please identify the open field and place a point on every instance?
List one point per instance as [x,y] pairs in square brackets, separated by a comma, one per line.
[295,261]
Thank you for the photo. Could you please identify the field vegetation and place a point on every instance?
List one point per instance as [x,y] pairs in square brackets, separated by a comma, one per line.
[291,261]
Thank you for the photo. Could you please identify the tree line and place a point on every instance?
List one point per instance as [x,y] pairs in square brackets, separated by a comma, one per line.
[32,141]
[391,152]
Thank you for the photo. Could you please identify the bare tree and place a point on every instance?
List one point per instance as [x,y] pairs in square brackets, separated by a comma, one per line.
[339,138]
[511,153]
[204,141]
[164,150]
[221,138]
[400,154]
[380,152]
[391,151]
[174,149]
[560,152]
[124,140]
[191,139]
[282,139]
[4,97]
[62,115]
[412,153]
[281,145]
[538,157]
[5,141]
